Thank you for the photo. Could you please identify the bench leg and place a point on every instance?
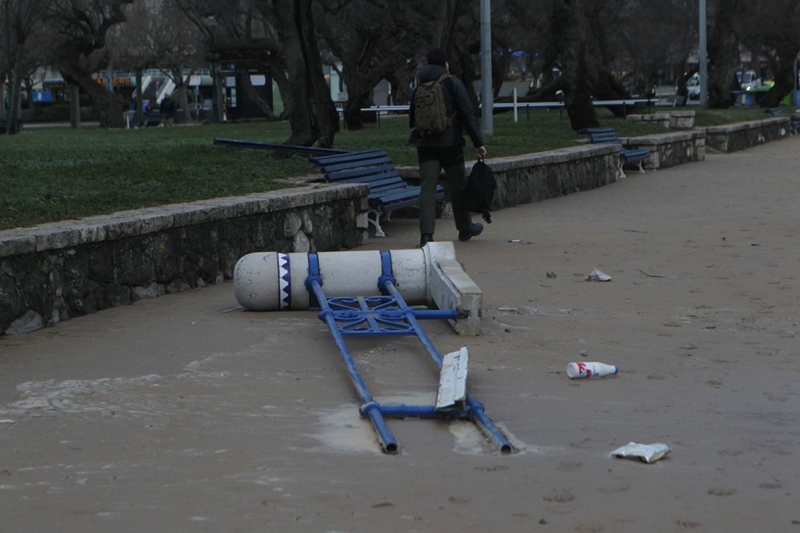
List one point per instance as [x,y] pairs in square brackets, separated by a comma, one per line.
[376,221]
[620,173]
[641,169]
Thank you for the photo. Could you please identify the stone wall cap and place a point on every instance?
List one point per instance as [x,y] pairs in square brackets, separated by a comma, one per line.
[130,223]
[665,138]
[561,155]
[737,126]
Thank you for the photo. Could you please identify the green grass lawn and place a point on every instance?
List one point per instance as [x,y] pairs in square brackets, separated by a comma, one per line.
[58,174]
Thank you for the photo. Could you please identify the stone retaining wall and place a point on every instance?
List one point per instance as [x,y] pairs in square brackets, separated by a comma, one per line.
[58,271]
[670,149]
[534,177]
[742,135]
[674,120]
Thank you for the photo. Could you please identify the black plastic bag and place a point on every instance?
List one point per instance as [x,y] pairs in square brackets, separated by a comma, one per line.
[480,190]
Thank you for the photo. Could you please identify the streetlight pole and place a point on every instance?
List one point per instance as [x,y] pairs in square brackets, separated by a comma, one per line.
[703,57]
[487,109]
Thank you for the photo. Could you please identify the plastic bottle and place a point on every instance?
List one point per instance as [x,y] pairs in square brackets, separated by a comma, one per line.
[590,370]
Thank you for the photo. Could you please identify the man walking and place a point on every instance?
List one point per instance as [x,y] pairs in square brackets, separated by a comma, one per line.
[438,133]
[168,110]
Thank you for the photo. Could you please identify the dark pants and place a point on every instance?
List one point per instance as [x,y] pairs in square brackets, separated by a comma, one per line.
[431,163]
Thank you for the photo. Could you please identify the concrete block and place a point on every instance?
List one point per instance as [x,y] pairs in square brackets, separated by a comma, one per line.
[451,288]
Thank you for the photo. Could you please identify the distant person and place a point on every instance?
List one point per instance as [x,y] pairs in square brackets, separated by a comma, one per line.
[440,144]
[168,110]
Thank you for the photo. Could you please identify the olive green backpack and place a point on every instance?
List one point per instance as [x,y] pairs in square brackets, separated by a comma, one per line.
[430,109]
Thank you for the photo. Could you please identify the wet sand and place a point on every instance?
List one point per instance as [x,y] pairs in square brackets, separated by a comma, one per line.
[185,413]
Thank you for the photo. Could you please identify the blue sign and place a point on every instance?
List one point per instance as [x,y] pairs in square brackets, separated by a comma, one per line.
[43,97]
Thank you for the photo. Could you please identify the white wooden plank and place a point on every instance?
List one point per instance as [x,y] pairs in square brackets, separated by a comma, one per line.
[453,379]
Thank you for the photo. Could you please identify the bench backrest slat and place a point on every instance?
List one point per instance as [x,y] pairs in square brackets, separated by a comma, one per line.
[603,137]
[275,147]
[371,179]
[600,129]
[327,169]
[347,158]
[348,174]
[387,189]
[387,183]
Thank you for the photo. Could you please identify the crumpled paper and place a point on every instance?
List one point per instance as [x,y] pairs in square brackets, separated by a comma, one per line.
[649,453]
[597,275]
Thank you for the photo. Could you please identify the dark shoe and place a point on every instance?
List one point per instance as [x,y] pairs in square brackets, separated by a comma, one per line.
[474,230]
[425,239]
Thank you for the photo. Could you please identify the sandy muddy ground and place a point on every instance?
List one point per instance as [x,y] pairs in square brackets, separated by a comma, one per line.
[186,413]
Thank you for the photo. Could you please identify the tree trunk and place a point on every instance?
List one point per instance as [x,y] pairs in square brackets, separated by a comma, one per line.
[605,86]
[176,73]
[107,104]
[360,83]
[784,78]
[109,109]
[577,99]
[33,111]
[3,92]
[723,56]
[220,98]
[139,96]
[183,97]
[546,94]
[252,93]
[401,93]
[570,38]
[278,74]
[75,107]
[447,13]
[358,96]
[16,95]
[465,70]
[500,66]
[314,120]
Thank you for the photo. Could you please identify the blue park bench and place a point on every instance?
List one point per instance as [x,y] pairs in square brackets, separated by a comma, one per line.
[387,190]
[606,135]
[151,119]
[280,149]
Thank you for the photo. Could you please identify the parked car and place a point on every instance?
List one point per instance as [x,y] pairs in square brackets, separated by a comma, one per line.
[748,79]
[693,87]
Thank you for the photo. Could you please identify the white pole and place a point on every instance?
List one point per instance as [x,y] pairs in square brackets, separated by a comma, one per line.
[487,108]
[515,106]
[703,58]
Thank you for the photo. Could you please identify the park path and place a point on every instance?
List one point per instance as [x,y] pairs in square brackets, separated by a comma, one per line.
[185,413]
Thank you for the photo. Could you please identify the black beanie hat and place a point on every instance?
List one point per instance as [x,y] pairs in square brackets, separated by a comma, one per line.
[437,56]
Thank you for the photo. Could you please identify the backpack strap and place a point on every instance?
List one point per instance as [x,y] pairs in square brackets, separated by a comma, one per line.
[441,82]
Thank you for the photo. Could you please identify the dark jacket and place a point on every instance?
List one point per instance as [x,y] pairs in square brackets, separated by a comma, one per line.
[458,106]
[168,107]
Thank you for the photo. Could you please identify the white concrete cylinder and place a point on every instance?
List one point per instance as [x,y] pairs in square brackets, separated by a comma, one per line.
[270,281]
